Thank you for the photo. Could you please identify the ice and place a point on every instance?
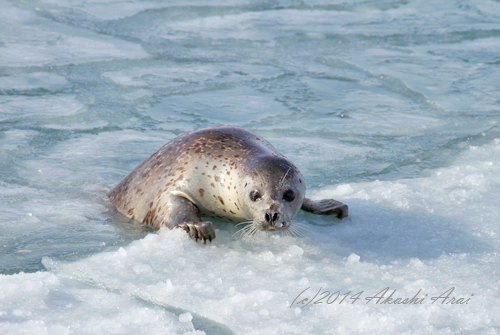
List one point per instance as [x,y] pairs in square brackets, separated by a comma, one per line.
[47,106]
[33,81]
[275,269]
[28,39]
[42,304]
[186,317]
[389,106]
[353,258]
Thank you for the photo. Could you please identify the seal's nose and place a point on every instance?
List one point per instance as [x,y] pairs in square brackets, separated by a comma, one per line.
[272,218]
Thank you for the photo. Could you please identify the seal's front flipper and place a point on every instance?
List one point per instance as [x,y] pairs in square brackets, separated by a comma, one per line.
[325,207]
[181,213]
[199,230]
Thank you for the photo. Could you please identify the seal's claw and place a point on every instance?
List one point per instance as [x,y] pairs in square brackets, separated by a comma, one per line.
[199,230]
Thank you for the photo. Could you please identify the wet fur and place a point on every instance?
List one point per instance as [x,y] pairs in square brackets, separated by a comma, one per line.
[208,173]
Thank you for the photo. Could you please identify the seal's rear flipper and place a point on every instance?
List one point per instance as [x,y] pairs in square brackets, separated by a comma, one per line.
[325,207]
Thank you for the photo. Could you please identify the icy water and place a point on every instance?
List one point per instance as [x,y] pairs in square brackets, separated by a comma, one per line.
[389,106]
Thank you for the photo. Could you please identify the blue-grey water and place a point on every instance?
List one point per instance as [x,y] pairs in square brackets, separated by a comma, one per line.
[390,106]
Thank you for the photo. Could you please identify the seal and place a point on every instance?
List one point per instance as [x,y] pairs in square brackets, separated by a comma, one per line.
[226,173]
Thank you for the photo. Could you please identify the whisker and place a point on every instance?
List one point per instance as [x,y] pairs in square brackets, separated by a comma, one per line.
[254,235]
[245,222]
[301,230]
[237,232]
[258,174]
[292,231]
[282,181]
[298,231]
[244,229]
[249,237]
[301,226]
[249,231]
[243,236]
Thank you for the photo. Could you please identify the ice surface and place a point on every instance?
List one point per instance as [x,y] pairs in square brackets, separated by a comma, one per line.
[28,39]
[389,106]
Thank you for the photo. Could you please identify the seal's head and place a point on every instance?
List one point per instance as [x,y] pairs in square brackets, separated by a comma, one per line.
[274,190]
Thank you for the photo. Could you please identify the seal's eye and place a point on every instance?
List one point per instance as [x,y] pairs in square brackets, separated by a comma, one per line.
[289,196]
[255,195]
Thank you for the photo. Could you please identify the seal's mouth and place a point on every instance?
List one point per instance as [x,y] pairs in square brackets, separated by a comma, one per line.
[273,220]
[251,227]
[274,227]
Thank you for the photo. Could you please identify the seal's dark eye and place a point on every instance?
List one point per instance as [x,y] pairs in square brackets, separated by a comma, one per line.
[289,195]
[255,195]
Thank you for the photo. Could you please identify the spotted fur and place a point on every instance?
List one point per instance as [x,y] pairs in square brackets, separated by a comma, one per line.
[210,173]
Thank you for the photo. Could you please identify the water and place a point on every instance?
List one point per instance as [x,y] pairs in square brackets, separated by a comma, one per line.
[389,106]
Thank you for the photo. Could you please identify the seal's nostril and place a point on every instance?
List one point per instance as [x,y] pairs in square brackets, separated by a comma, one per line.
[271,218]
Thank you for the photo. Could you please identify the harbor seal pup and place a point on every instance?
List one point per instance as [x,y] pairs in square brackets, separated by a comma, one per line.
[226,173]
